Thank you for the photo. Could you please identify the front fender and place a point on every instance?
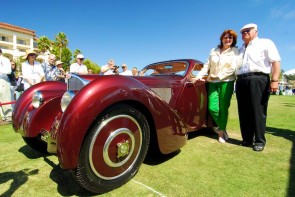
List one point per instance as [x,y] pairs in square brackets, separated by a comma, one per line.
[103,92]
[27,120]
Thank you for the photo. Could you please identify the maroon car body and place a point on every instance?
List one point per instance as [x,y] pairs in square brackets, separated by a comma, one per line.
[101,127]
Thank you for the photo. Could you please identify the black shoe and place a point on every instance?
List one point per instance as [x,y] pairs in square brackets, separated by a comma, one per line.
[247,144]
[258,147]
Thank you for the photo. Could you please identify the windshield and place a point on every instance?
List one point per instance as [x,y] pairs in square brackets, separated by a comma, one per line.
[165,68]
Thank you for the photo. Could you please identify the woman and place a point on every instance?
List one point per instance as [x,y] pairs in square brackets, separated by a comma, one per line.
[220,69]
[32,70]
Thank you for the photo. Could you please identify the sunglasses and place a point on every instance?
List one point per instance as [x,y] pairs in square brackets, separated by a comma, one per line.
[32,54]
[246,31]
[228,37]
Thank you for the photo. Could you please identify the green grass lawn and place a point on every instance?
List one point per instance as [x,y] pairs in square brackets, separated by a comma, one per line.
[203,167]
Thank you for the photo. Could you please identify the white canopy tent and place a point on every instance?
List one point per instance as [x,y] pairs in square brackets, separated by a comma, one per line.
[290,75]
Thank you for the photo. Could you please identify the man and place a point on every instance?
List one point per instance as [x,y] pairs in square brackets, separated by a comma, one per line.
[50,68]
[5,96]
[109,69]
[78,67]
[125,72]
[134,71]
[257,60]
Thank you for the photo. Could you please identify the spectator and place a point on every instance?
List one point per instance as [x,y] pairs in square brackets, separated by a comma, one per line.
[18,83]
[220,69]
[258,58]
[125,72]
[49,68]
[78,67]
[60,73]
[134,71]
[12,79]
[5,96]
[109,68]
[32,70]
[90,72]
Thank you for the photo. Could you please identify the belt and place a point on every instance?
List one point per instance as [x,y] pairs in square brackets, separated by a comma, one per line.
[252,74]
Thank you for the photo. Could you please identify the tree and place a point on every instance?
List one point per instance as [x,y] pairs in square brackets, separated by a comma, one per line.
[91,65]
[44,44]
[76,52]
[61,41]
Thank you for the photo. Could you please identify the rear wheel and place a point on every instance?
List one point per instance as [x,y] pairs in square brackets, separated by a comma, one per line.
[113,150]
[36,143]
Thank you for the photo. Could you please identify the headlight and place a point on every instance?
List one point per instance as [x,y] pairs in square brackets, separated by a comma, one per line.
[37,99]
[66,99]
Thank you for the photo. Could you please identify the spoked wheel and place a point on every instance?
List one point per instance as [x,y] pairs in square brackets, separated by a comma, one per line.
[113,150]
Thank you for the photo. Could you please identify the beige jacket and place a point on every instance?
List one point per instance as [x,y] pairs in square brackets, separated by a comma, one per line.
[222,65]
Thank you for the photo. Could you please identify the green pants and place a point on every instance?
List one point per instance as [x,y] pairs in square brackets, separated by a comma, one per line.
[220,94]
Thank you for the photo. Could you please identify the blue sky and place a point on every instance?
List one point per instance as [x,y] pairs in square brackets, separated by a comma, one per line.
[138,32]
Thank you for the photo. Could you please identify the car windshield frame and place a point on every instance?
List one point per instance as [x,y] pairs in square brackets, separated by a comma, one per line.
[179,67]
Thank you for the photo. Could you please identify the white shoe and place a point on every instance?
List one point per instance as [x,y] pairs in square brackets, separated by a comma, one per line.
[221,140]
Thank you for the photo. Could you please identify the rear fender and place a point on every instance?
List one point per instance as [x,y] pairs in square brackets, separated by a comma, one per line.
[98,95]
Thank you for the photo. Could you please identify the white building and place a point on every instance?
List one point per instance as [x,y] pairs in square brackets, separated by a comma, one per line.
[15,41]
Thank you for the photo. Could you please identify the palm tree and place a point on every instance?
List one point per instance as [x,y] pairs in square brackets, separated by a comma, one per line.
[76,52]
[44,44]
[61,41]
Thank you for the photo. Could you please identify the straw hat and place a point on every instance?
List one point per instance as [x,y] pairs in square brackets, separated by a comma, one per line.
[29,52]
[58,62]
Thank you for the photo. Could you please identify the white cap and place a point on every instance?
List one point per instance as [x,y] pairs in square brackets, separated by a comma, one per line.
[80,56]
[250,25]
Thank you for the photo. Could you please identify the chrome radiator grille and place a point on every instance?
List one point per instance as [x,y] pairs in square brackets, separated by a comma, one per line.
[76,83]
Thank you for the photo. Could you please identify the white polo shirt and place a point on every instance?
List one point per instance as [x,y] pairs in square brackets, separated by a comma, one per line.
[257,56]
[75,68]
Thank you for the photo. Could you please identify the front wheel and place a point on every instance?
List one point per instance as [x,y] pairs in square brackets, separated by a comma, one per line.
[113,150]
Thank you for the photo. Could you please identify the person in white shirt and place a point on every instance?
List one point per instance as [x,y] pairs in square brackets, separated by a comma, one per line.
[257,59]
[79,68]
[125,72]
[5,96]
[109,68]
[220,69]
[32,70]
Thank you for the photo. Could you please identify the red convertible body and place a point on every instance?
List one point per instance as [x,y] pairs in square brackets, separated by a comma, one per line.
[101,127]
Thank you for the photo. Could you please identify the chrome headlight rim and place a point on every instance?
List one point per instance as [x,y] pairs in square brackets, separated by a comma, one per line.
[66,99]
[37,99]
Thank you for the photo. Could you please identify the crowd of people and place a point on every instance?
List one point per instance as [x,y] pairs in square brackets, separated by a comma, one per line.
[254,68]
[13,81]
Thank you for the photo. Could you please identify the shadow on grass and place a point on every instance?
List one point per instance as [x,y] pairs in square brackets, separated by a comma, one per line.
[289,135]
[30,153]
[66,184]
[159,158]
[18,179]
[209,133]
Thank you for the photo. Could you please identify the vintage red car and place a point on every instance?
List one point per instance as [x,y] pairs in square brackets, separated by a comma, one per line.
[101,127]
